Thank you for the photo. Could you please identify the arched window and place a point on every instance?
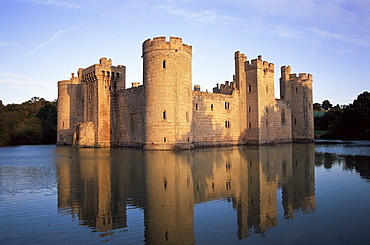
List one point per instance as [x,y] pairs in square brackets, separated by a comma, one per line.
[164,116]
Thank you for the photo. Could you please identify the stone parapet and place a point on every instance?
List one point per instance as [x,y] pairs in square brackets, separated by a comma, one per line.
[159,43]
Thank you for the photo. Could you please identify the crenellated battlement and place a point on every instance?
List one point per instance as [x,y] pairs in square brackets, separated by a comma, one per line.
[238,55]
[157,43]
[103,69]
[285,72]
[226,88]
[259,64]
[300,76]
[105,62]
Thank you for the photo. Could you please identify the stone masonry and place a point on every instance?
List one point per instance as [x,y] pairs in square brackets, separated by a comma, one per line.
[95,109]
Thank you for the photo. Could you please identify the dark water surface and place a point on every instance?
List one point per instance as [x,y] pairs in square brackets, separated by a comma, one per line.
[285,194]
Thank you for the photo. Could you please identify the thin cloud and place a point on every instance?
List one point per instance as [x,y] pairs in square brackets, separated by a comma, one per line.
[55,3]
[11,78]
[330,35]
[8,44]
[204,16]
[54,36]
[45,43]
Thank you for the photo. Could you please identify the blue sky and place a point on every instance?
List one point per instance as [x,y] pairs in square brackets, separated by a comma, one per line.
[44,41]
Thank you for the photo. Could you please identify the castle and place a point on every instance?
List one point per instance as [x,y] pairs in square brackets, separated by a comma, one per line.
[95,109]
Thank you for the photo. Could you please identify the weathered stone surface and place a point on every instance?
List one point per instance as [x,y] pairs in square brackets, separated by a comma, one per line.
[96,110]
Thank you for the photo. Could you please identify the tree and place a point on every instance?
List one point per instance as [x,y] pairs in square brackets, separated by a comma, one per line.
[353,121]
[326,105]
[317,106]
[48,116]
[32,122]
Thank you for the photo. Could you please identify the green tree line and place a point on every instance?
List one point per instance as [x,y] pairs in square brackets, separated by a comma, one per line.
[345,121]
[32,122]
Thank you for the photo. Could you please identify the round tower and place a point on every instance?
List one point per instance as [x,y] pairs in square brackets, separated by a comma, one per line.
[68,109]
[167,80]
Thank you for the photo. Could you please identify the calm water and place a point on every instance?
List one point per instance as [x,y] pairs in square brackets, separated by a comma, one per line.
[285,194]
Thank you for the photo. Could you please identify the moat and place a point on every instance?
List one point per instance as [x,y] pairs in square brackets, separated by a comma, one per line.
[283,194]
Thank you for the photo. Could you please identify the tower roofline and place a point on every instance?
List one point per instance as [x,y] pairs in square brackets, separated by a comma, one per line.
[158,43]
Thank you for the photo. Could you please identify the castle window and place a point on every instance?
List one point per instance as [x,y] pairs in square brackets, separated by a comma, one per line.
[249,109]
[228,185]
[196,106]
[227,105]
[250,88]
[296,90]
[164,64]
[211,107]
[133,120]
[164,114]
[283,119]
[228,167]
[227,124]
[164,139]
[267,89]
[250,125]
[295,121]
[187,116]
[165,183]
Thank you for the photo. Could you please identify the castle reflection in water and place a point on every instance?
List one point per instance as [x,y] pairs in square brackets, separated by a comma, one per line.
[98,184]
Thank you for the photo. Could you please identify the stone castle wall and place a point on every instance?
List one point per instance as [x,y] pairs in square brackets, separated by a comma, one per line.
[96,110]
[131,120]
[215,119]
